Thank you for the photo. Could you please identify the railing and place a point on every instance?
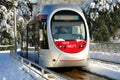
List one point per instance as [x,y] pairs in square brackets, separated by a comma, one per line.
[105,47]
[6,47]
[41,71]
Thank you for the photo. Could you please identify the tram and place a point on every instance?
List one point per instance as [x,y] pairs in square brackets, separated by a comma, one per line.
[61,34]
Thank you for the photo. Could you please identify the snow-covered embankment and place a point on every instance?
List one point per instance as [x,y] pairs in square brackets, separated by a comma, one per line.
[107,69]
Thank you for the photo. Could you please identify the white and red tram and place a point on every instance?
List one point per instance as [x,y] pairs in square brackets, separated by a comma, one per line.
[61,33]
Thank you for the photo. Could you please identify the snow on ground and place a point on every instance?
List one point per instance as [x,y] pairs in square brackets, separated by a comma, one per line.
[107,56]
[103,69]
[11,69]
[109,70]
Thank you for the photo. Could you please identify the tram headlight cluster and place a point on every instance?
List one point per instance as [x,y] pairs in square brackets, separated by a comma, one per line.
[60,46]
[82,45]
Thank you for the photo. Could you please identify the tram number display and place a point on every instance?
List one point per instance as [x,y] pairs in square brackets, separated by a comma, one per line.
[66,17]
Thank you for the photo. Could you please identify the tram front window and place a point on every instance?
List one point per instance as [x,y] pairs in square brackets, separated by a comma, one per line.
[68,30]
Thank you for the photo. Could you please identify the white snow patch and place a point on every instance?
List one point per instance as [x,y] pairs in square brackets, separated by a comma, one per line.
[101,67]
[11,69]
[107,70]
[107,56]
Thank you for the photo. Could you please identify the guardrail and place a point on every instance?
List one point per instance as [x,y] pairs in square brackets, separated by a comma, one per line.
[6,47]
[30,65]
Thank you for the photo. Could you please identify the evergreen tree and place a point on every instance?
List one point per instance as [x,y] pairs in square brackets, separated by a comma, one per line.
[7,20]
[106,25]
[101,33]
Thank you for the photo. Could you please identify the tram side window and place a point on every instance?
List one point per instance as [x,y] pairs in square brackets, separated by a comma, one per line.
[33,35]
[43,35]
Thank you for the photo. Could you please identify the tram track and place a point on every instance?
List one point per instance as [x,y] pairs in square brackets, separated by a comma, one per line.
[78,73]
[81,73]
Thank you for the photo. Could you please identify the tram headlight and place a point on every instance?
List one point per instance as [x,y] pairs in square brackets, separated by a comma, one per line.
[80,46]
[63,47]
[60,46]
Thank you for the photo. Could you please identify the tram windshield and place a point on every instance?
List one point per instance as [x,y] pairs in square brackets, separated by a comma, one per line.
[68,30]
[68,25]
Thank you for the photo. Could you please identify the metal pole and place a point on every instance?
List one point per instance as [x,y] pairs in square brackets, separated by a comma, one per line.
[15,31]
[27,43]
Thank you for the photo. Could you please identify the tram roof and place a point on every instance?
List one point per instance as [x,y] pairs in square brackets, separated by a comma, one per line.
[48,9]
[52,7]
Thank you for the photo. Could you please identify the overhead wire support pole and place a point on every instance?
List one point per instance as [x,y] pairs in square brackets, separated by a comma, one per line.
[15,30]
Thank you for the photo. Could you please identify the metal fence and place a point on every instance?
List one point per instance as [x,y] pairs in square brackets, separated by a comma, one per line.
[43,71]
[105,47]
[6,47]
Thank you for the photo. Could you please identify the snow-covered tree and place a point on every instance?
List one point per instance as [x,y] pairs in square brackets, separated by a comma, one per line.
[7,19]
[107,11]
